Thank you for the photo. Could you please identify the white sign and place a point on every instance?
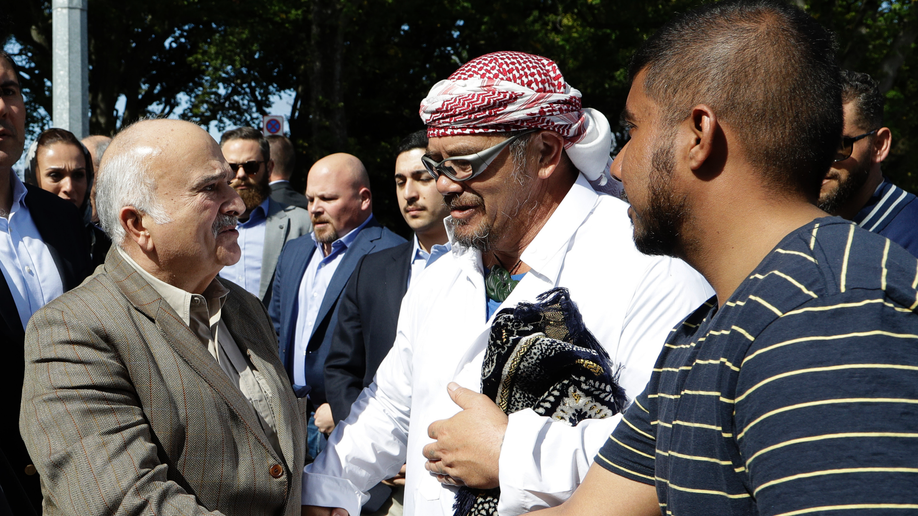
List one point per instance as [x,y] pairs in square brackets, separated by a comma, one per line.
[272,124]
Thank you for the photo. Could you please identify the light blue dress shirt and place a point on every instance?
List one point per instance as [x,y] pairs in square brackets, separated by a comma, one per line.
[247,271]
[26,262]
[420,258]
[312,289]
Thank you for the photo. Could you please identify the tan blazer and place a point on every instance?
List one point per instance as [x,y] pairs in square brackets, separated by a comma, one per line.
[124,411]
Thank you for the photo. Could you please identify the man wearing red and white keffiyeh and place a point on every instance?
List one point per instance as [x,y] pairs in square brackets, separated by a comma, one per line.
[511,91]
[519,163]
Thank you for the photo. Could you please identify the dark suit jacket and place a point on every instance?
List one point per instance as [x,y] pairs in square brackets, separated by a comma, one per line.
[125,411]
[367,320]
[61,227]
[285,194]
[284,308]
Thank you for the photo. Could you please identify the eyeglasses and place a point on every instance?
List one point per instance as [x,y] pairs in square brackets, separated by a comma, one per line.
[847,145]
[463,168]
[250,167]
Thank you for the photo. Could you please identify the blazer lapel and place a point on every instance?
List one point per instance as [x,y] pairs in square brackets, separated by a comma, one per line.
[277,226]
[176,334]
[362,245]
[9,312]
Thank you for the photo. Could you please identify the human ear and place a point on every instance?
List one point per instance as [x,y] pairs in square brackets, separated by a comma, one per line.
[550,146]
[703,127]
[135,228]
[882,143]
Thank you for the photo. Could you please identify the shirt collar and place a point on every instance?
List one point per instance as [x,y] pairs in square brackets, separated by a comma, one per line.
[345,241]
[19,191]
[436,251]
[259,214]
[180,300]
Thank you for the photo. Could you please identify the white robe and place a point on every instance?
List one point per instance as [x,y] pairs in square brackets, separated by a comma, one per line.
[629,301]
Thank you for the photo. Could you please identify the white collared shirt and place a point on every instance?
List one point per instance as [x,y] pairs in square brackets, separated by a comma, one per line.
[26,262]
[247,271]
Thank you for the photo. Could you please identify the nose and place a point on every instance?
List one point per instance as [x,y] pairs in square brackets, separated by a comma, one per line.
[239,173]
[616,170]
[66,187]
[234,205]
[411,191]
[445,185]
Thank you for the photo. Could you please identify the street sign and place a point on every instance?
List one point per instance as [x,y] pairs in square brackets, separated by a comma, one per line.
[272,124]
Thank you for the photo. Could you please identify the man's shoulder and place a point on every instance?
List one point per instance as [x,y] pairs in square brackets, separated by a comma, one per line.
[385,256]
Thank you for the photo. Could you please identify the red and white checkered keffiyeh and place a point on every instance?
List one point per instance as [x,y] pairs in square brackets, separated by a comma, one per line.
[513,91]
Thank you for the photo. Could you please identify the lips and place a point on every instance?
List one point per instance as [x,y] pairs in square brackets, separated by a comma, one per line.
[462,206]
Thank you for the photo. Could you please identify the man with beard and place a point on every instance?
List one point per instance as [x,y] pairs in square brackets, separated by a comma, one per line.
[514,154]
[154,387]
[794,389]
[312,272]
[854,188]
[266,225]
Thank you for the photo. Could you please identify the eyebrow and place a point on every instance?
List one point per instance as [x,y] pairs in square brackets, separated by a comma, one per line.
[209,179]
[626,117]
[10,82]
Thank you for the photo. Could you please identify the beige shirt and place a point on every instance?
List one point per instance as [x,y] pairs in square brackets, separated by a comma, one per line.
[201,312]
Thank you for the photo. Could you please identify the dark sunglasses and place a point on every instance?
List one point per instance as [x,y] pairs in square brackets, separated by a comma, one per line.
[847,145]
[463,168]
[250,167]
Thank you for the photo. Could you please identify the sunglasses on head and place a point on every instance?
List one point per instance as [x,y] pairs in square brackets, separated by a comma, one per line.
[249,167]
[463,168]
[847,145]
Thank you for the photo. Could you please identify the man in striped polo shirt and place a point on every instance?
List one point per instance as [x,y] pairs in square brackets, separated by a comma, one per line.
[854,188]
[795,389]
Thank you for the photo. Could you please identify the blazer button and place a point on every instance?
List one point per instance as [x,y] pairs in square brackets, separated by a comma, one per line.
[30,470]
[276,471]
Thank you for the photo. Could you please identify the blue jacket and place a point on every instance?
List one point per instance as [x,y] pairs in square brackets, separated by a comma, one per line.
[284,309]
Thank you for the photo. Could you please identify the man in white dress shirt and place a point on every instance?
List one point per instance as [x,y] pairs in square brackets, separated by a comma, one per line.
[516,157]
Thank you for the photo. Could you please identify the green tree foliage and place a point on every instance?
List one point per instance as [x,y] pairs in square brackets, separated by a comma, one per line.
[358,68]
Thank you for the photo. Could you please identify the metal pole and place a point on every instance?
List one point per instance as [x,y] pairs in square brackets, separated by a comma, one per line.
[70,57]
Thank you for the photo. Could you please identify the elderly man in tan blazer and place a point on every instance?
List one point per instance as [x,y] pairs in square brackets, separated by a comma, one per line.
[155,388]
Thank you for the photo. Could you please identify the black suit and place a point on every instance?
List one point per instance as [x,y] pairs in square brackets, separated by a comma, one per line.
[61,228]
[283,193]
[367,319]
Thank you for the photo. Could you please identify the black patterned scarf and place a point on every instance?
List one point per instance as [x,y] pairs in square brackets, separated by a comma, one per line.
[541,356]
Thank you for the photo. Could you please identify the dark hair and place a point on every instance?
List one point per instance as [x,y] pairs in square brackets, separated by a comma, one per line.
[861,89]
[9,59]
[767,70]
[247,133]
[46,139]
[283,154]
[415,140]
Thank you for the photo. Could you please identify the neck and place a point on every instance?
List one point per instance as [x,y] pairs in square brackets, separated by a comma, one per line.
[430,238]
[326,249]
[531,216]
[151,264]
[6,192]
[727,244]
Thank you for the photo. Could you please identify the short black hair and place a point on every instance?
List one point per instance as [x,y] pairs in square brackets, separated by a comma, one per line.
[861,89]
[248,133]
[415,140]
[9,59]
[767,69]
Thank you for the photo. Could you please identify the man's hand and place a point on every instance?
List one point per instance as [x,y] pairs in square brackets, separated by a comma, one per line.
[312,510]
[324,421]
[467,447]
[397,480]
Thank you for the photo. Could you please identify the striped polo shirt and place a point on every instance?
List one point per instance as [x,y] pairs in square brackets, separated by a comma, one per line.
[893,213]
[798,396]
